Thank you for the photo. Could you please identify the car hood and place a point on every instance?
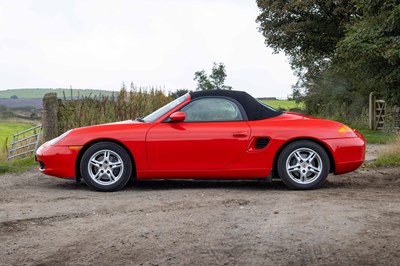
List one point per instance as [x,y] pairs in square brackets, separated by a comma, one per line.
[123,122]
[111,125]
[127,130]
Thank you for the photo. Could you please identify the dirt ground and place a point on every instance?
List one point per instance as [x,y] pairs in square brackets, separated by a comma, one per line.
[354,219]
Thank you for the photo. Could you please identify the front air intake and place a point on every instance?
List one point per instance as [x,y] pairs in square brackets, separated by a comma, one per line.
[261,143]
[41,165]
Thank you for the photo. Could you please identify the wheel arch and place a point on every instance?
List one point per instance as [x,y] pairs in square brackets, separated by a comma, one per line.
[91,143]
[322,144]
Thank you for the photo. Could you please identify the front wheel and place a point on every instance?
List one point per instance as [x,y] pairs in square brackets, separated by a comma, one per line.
[303,165]
[106,166]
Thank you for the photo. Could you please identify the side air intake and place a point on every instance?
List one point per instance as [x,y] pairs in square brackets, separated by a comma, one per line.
[261,143]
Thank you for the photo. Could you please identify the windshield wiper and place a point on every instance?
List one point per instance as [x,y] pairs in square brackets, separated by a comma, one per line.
[139,119]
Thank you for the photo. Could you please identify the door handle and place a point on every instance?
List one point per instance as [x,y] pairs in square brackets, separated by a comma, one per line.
[240,134]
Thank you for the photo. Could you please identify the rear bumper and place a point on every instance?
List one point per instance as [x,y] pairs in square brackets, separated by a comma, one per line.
[348,153]
[56,161]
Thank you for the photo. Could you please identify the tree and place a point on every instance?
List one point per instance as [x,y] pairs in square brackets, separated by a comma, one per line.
[370,50]
[340,50]
[13,97]
[215,81]
[307,31]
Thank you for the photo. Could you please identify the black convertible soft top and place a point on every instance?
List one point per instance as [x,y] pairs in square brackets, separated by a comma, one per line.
[253,108]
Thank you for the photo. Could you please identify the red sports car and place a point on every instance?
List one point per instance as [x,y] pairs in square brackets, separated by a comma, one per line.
[216,134]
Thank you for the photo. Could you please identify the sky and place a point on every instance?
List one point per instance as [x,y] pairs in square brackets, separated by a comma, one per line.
[99,44]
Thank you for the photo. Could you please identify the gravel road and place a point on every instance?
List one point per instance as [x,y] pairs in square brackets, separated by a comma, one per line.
[354,219]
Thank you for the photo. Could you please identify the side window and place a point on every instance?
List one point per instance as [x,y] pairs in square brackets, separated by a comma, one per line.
[212,109]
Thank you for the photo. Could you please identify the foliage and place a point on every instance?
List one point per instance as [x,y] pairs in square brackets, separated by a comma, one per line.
[307,31]
[370,51]
[340,50]
[124,105]
[215,81]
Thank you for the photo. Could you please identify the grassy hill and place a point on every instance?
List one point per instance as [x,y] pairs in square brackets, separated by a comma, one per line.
[39,93]
[284,104]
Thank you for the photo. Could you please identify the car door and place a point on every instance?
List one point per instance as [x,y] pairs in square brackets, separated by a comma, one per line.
[212,136]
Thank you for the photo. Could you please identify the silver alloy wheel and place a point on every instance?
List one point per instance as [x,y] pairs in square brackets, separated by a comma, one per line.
[105,167]
[304,166]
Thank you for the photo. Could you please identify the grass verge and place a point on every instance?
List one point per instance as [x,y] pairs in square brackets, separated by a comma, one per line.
[16,165]
[376,136]
[390,156]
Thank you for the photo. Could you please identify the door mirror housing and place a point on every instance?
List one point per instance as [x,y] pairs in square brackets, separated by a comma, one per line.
[177,117]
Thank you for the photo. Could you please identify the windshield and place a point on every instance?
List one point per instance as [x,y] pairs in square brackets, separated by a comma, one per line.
[165,109]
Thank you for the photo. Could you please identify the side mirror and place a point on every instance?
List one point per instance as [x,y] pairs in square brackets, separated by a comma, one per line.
[177,117]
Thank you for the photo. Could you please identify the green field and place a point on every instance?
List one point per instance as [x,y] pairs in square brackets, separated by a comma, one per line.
[8,129]
[39,93]
[284,104]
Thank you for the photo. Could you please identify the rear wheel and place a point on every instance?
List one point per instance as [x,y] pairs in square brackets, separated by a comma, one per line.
[106,166]
[303,165]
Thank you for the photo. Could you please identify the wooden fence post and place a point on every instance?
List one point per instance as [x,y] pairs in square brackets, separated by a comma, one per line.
[372,112]
[50,120]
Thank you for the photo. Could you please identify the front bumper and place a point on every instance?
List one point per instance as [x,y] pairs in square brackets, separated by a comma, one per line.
[348,153]
[57,161]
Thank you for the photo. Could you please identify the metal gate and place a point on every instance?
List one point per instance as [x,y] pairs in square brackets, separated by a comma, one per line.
[25,142]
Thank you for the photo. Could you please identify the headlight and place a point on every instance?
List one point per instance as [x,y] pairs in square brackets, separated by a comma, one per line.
[55,140]
[345,131]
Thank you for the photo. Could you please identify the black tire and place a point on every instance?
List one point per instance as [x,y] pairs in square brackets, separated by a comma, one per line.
[106,167]
[299,173]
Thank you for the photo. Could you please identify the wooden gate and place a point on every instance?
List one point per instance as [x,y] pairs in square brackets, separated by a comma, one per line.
[380,108]
[377,110]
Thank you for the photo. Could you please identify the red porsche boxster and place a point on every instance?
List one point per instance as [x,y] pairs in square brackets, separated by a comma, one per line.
[216,134]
